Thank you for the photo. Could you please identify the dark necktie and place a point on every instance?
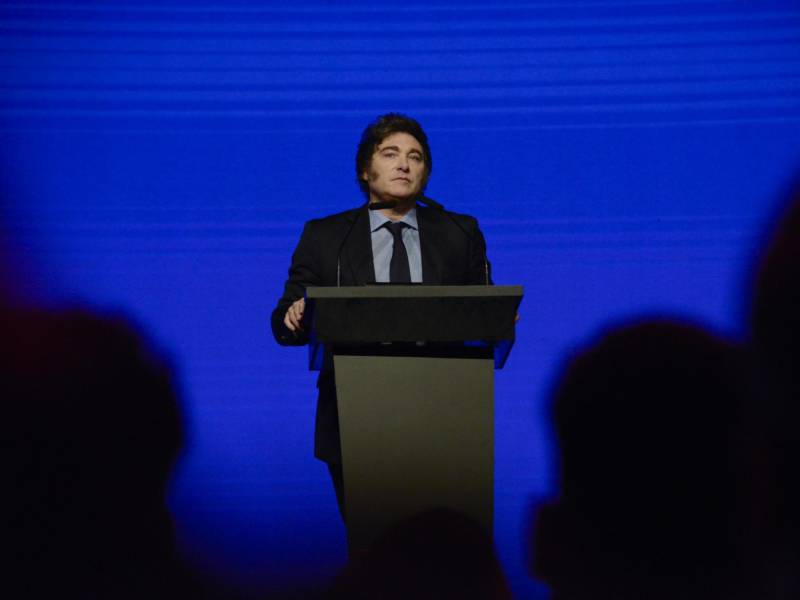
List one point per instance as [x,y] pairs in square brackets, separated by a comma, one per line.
[399,271]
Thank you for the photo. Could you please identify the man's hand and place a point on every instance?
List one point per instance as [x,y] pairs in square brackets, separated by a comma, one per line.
[294,315]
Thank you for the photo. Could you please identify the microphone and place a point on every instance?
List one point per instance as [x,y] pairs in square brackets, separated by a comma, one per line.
[440,207]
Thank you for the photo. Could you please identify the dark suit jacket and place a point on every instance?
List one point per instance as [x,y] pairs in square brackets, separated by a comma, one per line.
[450,256]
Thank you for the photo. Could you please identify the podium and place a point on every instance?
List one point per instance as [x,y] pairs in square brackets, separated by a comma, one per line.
[414,369]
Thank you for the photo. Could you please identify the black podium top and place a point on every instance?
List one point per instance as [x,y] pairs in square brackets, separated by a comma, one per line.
[423,316]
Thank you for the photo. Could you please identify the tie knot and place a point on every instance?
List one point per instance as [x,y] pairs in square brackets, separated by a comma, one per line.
[396,227]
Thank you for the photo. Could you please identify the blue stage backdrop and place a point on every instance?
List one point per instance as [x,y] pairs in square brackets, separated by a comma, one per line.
[161,158]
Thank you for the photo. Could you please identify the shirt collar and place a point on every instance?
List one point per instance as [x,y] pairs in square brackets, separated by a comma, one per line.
[377,219]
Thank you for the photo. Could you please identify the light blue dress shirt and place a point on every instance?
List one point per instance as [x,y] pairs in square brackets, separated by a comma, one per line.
[383,245]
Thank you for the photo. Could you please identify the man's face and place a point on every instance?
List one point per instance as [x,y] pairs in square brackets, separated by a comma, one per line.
[397,169]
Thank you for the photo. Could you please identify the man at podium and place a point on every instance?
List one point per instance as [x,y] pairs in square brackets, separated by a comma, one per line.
[397,237]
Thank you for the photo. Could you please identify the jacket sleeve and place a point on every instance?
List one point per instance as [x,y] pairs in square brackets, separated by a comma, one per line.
[480,270]
[303,272]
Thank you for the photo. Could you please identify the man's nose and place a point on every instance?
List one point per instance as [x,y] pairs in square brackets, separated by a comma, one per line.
[402,163]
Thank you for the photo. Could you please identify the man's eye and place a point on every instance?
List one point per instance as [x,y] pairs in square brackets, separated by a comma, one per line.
[390,154]
[416,158]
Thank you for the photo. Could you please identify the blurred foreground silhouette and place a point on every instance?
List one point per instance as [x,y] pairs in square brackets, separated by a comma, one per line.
[90,431]
[438,554]
[647,420]
[775,412]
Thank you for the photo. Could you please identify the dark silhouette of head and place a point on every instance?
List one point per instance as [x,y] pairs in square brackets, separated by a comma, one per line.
[90,430]
[775,319]
[775,342]
[379,130]
[647,425]
[439,554]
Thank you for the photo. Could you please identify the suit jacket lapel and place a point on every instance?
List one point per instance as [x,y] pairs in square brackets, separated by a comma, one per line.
[358,250]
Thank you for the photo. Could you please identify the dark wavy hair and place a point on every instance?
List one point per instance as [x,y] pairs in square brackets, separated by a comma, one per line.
[379,130]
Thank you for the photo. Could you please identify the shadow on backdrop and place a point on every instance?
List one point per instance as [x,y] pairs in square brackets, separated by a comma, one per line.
[14,284]
[647,422]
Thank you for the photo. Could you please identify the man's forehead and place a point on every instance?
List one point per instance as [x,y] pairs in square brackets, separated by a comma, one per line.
[400,140]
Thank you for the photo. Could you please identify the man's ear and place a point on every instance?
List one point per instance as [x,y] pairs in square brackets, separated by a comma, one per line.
[365,176]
